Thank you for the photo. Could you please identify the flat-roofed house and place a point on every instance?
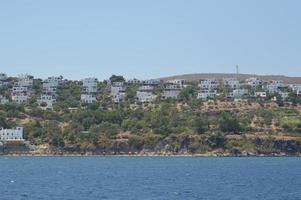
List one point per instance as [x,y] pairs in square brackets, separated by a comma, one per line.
[87,98]
[231,83]
[11,134]
[254,82]
[207,94]
[146,96]
[3,77]
[20,98]
[209,84]
[89,85]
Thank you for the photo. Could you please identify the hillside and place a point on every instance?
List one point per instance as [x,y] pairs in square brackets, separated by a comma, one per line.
[198,76]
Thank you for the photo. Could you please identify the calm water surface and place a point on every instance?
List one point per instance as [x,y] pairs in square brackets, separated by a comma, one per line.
[85,178]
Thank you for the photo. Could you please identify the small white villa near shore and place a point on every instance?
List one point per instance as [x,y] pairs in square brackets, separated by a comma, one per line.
[11,134]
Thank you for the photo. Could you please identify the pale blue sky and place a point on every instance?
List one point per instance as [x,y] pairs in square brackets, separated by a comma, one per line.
[149,38]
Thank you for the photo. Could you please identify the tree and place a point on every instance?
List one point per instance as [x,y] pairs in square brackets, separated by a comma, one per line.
[228,122]
[115,78]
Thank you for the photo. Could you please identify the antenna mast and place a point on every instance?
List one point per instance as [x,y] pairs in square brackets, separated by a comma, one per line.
[237,72]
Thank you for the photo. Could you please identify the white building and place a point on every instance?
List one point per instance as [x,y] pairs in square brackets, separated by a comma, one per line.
[254,82]
[284,95]
[51,84]
[261,94]
[274,86]
[296,89]
[238,93]
[48,100]
[90,85]
[11,134]
[120,97]
[145,97]
[176,81]
[146,88]
[25,80]
[115,90]
[209,84]
[3,77]
[133,81]
[151,82]
[207,94]
[19,89]
[20,98]
[87,98]
[231,83]
[174,94]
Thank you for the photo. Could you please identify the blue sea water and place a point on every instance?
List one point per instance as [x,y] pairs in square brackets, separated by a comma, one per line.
[85,178]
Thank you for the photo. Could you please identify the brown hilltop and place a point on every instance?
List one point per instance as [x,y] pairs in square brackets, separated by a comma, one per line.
[198,76]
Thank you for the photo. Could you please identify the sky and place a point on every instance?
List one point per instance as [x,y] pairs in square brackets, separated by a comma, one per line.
[149,38]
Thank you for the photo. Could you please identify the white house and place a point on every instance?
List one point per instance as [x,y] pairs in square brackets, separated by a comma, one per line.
[87,98]
[50,84]
[146,88]
[90,85]
[116,90]
[133,81]
[261,94]
[20,98]
[174,94]
[11,134]
[206,94]
[209,84]
[25,80]
[274,86]
[49,100]
[176,81]
[144,96]
[120,97]
[19,89]
[232,83]
[296,89]
[238,93]
[284,95]
[151,82]
[254,82]
[3,77]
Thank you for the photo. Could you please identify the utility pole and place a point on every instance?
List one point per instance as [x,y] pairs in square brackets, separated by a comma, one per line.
[237,72]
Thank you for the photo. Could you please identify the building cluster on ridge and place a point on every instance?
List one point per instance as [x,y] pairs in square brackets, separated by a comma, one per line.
[149,90]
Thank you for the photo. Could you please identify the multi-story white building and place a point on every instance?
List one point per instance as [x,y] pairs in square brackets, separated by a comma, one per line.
[20,98]
[254,82]
[146,88]
[207,94]
[11,134]
[89,85]
[120,97]
[174,94]
[87,98]
[144,96]
[238,93]
[19,89]
[133,81]
[296,88]
[175,81]
[51,84]
[151,82]
[231,83]
[3,77]
[209,84]
[25,80]
[261,94]
[284,95]
[48,100]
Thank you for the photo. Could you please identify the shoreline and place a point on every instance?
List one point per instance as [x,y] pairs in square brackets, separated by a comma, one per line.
[151,155]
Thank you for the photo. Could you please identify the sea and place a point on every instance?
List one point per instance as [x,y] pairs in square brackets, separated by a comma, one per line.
[150,178]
